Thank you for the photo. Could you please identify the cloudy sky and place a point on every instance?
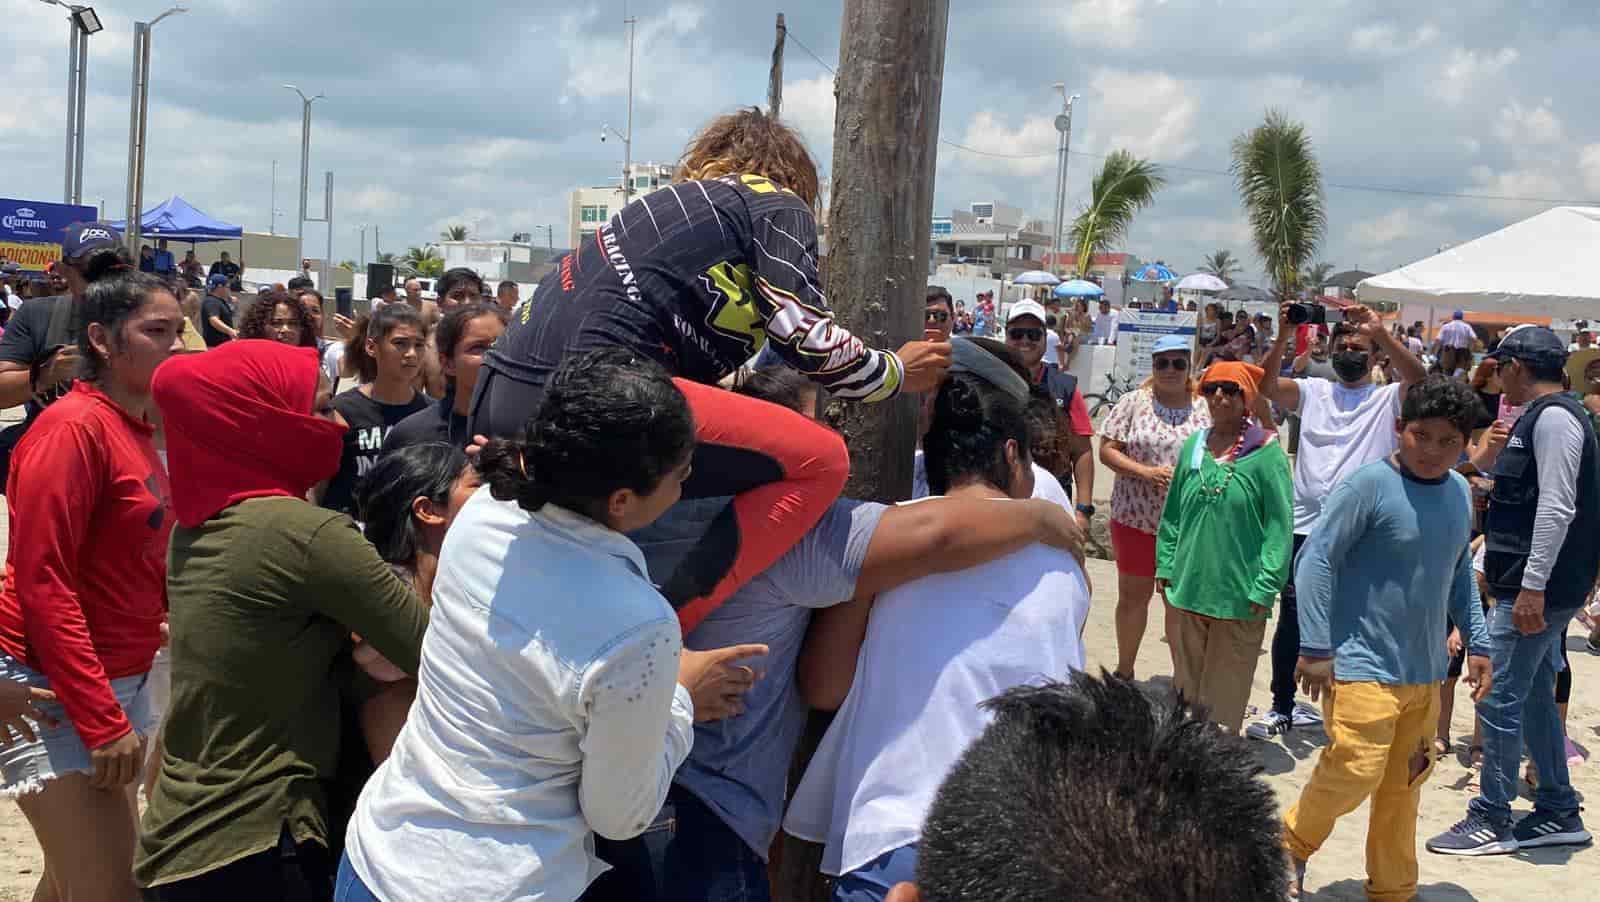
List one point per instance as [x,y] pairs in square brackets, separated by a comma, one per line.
[489,112]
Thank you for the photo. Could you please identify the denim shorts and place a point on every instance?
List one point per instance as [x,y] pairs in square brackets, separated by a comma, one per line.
[26,766]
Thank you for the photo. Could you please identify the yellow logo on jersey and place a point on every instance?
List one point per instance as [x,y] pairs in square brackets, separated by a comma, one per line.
[760,184]
[734,313]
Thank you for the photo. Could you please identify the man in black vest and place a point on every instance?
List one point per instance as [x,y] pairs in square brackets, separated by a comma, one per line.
[1542,553]
[1025,334]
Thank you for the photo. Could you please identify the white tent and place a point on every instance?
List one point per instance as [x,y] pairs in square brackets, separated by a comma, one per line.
[1542,266]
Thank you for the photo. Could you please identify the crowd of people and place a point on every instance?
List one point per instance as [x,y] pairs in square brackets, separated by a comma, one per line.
[538,607]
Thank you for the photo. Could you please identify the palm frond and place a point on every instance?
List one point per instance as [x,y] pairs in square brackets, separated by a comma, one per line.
[1280,186]
[1124,186]
[1222,264]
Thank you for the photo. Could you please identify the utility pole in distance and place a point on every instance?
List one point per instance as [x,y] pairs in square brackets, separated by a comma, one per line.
[886,131]
[775,79]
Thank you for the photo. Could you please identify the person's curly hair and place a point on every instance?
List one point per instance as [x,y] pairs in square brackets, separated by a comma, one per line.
[257,320]
[749,142]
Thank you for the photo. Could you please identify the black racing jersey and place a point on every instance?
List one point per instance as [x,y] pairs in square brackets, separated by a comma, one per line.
[698,276]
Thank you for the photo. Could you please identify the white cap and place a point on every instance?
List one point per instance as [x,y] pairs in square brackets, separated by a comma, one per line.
[1026,308]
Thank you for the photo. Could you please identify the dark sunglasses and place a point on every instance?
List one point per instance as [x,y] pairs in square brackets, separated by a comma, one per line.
[1229,389]
[1170,363]
[938,316]
[1026,333]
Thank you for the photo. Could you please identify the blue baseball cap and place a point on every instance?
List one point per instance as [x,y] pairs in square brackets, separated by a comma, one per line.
[1532,344]
[216,279]
[84,238]
[1168,343]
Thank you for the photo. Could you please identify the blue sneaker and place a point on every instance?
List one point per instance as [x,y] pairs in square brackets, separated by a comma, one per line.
[1541,828]
[1474,835]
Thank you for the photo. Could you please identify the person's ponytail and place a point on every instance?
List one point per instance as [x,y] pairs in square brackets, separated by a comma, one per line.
[506,470]
[104,262]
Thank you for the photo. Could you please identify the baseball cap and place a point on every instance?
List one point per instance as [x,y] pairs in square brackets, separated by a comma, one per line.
[216,279]
[1168,343]
[1026,308]
[84,238]
[1532,344]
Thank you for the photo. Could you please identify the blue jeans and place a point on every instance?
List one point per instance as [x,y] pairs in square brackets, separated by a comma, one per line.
[1522,706]
[871,882]
[347,887]
[688,855]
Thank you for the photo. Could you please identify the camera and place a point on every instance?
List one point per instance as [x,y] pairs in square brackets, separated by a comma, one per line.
[1315,314]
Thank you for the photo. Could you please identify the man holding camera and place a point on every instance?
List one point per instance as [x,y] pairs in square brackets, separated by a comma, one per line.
[1344,425]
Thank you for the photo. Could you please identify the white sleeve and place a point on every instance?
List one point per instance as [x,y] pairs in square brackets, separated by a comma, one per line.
[640,728]
[1558,452]
[1314,392]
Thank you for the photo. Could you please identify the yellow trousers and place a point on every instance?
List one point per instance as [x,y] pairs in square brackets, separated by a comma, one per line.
[1380,748]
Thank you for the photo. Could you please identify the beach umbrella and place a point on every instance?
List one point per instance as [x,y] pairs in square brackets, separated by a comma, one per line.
[1078,288]
[1202,281]
[1247,294]
[1036,277]
[1154,272]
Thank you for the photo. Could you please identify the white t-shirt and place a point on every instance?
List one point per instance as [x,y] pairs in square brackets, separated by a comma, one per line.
[1052,341]
[1105,328]
[1044,485]
[936,649]
[1341,430]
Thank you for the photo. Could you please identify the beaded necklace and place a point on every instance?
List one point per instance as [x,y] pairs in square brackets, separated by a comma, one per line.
[1210,489]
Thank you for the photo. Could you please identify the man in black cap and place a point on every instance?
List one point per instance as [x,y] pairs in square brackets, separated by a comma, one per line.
[1542,550]
[225,266]
[216,312]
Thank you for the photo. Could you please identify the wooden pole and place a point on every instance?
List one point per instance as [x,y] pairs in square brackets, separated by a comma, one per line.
[886,133]
[775,79]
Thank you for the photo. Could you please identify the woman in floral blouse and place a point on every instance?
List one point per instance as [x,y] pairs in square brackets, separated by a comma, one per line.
[1140,443]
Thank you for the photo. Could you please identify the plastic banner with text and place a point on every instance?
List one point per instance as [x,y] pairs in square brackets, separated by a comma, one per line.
[1137,334]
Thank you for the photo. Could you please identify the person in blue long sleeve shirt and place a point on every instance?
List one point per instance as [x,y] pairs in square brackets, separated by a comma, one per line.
[1386,563]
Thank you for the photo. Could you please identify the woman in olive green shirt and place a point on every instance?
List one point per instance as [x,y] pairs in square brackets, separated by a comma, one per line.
[264,590]
[1224,547]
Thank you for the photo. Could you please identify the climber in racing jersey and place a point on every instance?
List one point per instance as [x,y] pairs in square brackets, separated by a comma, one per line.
[699,276]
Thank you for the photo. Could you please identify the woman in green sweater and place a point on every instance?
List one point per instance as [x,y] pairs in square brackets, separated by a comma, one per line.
[1224,548]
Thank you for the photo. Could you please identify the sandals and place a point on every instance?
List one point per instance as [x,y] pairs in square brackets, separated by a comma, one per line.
[1441,747]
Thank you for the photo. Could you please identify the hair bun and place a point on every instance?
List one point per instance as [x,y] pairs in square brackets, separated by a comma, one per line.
[961,403]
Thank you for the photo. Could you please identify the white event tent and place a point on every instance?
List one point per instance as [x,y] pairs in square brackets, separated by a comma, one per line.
[1542,266]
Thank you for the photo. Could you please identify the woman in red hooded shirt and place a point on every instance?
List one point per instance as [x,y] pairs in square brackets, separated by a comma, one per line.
[264,591]
[85,591]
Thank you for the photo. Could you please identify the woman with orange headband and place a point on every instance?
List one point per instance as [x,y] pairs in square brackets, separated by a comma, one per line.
[1223,551]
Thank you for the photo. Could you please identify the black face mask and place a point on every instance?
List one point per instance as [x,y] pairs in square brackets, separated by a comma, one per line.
[1352,366]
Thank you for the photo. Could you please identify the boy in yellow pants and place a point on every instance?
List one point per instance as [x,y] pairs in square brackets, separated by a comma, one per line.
[1385,565]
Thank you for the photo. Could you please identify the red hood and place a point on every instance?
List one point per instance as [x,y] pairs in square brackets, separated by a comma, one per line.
[239,425]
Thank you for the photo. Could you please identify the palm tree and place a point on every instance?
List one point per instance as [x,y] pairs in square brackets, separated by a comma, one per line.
[421,260]
[387,258]
[1124,186]
[1280,186]
[349,265]
[1222,264]
[455,233]
[1315,275]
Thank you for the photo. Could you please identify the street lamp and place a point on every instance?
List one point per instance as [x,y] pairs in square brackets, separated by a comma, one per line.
[137,115]
[1064,126]
[82,22]
[626,139]
[305,167]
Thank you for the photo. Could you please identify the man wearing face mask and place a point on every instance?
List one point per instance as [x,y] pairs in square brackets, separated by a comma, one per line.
[1345,424]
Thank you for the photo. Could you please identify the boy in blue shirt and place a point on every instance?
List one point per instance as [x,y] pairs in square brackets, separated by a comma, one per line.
[1385,565]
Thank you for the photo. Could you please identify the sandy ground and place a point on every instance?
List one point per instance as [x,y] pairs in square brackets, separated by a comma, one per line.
[1338,870]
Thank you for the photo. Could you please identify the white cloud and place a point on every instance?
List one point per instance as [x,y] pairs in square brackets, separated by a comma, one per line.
[1114,22]
[1539,125]
[1384,230]
[1589,168]
[1466,67]
[808,106]
[1150,114]
[1526,182]
[1028,151]
[1385,40]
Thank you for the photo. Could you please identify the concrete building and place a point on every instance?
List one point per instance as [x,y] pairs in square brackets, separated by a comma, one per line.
[989,233]
[590,207]
[498,261]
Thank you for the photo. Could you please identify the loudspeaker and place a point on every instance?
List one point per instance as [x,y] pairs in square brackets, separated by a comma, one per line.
[379,276]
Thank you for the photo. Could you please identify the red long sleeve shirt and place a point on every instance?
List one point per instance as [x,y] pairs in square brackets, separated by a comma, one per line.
[85,580]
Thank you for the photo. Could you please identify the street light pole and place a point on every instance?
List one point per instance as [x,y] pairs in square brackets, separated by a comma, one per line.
[627,144]
[1064,126]
[138,117]
[272,227]
[305,170]
[363,230]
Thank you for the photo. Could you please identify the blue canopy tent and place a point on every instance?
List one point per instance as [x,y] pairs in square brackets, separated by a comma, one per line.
[175,220]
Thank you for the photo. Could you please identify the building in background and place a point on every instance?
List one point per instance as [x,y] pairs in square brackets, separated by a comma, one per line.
[499,261]
[988,234]
[591,207]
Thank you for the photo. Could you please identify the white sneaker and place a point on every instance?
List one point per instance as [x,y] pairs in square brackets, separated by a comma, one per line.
[1273,724]
[1305,715]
